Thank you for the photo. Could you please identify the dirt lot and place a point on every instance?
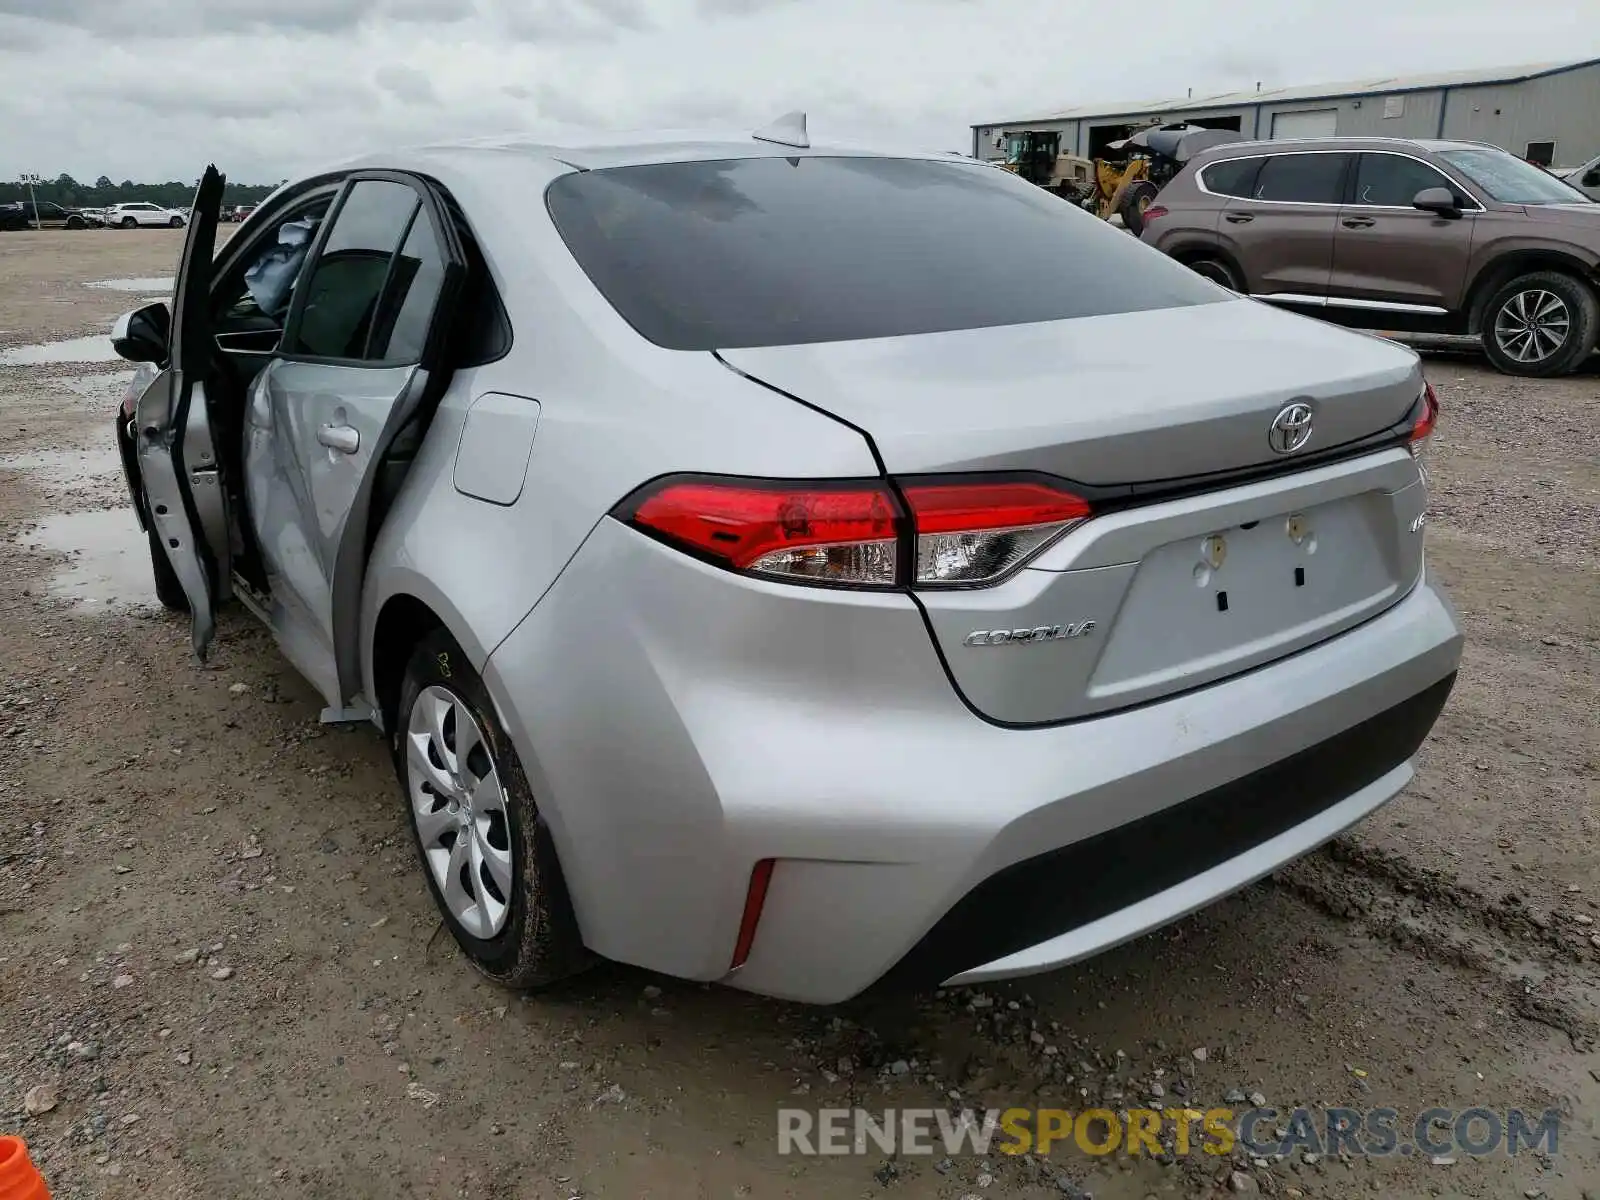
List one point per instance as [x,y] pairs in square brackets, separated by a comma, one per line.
[219,960]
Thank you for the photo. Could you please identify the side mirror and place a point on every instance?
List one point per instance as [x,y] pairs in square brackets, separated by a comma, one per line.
[1592,178]
[1438,200]
[140,336]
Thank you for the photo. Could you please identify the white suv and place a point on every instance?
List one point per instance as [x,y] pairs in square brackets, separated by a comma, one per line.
[129,216]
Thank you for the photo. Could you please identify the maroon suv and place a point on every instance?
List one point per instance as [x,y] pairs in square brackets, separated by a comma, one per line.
[1424,236]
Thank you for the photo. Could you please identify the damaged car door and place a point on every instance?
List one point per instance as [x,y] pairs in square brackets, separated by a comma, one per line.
[333,419]
[177,454]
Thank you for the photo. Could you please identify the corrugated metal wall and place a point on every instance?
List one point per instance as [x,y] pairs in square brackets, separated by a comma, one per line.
[1411,114]
[1563,108]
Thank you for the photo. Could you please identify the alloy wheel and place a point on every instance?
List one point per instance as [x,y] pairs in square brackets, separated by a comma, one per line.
[1532,325]
[459,808]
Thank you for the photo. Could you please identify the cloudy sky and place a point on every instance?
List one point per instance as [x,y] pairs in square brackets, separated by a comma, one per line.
[150,89]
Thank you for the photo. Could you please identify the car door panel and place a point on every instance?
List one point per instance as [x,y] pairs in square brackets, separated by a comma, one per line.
[1282,234]
[325,413]
[175,447]
[1386,251]
[306,496]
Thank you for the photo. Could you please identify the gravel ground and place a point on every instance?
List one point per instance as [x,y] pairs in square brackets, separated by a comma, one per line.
[220,972]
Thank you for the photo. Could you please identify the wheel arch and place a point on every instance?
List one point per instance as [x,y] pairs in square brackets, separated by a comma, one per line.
[1191,251]
[398,622]
[1496,273]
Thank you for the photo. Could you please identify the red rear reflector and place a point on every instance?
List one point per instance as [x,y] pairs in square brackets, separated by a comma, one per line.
[1154,211]
[829,533]
[754,899]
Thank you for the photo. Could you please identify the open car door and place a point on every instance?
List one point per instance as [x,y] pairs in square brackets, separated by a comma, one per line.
[177,453]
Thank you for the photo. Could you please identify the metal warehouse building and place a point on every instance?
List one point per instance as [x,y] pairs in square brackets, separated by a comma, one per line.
[1546,112]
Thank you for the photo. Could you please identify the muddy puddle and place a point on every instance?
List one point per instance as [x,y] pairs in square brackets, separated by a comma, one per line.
[93,349]
[147,283]
[107,386]
[76,470]
[108,559]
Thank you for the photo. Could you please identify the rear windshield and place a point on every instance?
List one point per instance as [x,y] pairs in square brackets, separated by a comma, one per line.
[783,251]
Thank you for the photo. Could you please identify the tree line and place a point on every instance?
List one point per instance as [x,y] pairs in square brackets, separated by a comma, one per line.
[102,193]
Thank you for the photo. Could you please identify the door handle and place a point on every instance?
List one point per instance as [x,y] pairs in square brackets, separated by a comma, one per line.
[1238,218]
[1359,222]
[343,438]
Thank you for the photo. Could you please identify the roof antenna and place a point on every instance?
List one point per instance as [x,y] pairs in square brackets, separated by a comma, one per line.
[787,130]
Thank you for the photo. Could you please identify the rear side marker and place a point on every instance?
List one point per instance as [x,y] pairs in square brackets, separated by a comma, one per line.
[755,898]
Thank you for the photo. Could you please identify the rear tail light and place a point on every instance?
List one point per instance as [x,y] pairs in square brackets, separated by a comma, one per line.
[1153,212]
[858,533]
[1429,417]
[971,533]
[817,533]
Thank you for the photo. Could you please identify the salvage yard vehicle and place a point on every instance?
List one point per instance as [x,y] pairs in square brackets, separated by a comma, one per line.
[748,571]
[1037,156]
[142,213]
[1124,182]
[1585,178]
[1423,236]
[46,214]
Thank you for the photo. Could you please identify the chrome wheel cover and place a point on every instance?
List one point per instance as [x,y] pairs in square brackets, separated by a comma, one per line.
[459,809]
[1532,325]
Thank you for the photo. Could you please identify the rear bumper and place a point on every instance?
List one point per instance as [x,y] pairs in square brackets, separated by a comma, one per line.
[1074,901]
[704,722]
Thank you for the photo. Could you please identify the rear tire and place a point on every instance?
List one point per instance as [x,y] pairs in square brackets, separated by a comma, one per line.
[523,935]
[1541,324]
[1138,197]
[1217,271]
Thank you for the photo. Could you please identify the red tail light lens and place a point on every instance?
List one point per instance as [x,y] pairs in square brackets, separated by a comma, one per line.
[975,533]
[1423,429]
[1154,212]
[822,533]
[851,534]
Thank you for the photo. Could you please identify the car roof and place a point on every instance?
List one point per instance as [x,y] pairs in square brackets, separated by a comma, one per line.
[1283,145]
[590,153]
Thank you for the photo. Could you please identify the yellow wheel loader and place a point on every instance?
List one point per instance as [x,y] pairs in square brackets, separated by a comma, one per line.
[1123,182]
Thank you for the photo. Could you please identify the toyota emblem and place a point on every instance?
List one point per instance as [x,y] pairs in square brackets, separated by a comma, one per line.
[1291,428]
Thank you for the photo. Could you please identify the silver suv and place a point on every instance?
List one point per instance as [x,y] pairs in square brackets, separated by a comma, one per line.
[791,566]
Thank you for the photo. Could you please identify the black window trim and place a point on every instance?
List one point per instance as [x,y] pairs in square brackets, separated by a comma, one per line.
[1464,190]
[449,245]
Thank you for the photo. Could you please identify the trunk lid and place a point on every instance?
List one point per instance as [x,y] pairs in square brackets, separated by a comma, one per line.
[1143,600]
[1126,398]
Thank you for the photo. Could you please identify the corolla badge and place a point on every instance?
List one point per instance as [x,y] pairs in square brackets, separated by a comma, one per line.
[1039,633]
[1291,428]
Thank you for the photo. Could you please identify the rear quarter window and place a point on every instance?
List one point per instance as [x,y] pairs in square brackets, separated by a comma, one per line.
[1233,177]
[784,251]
